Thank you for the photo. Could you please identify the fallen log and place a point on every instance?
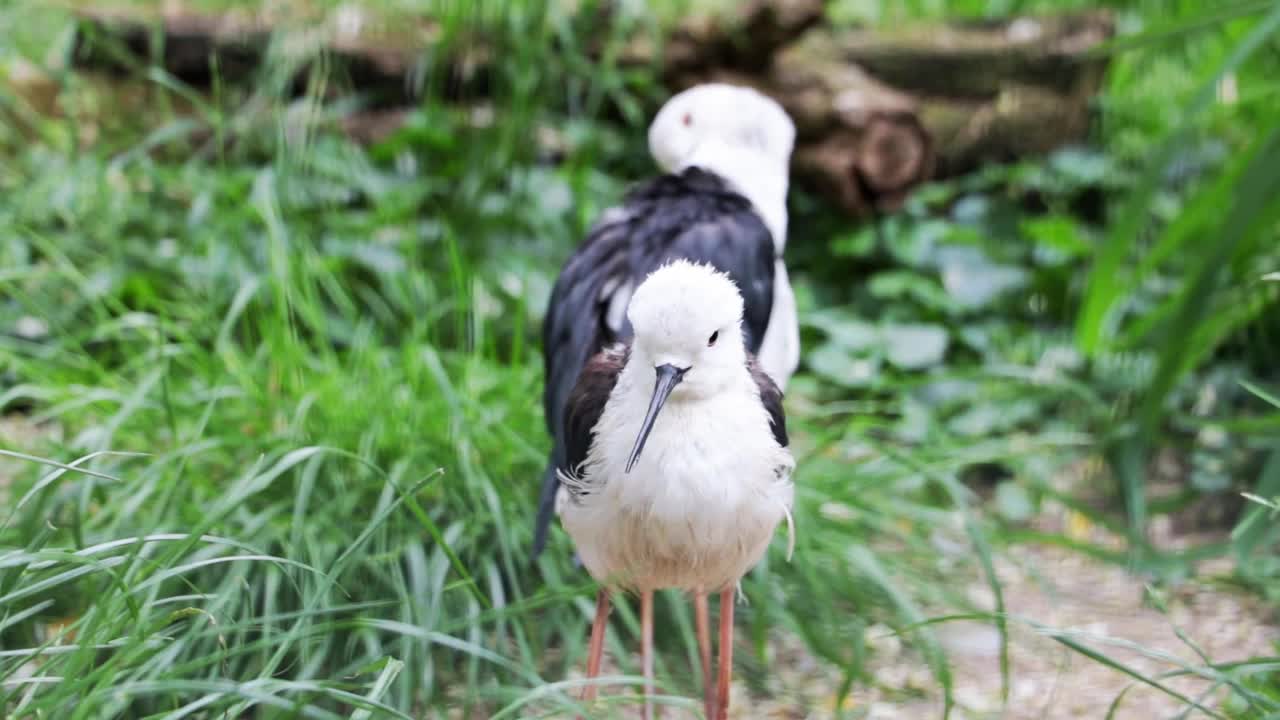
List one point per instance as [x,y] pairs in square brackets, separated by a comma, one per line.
[378,59]
[877,112]
[876,116]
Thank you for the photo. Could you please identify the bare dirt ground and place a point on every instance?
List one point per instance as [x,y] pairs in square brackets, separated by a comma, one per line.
[1103,606]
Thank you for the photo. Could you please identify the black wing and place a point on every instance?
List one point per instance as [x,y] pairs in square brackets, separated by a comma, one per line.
[771,396]
[586,404]
[692,215]
[724,243]
[696,216]
[577,326]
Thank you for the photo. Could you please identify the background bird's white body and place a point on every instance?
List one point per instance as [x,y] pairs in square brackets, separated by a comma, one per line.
[780,350]
[747,138]
[699,508]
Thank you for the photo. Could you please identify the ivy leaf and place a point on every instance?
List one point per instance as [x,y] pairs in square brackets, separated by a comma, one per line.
[837,365]
[845,330]
[973,280]
[912,347]
[1013,502]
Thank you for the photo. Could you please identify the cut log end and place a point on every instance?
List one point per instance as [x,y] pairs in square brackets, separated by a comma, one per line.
[894,155]
[871,168]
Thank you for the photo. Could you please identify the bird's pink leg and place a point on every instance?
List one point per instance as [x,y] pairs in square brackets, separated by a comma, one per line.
[595,649]
[726,653]
[646,649]
[702,621]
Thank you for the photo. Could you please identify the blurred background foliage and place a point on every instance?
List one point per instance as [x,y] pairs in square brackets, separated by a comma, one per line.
[329,355]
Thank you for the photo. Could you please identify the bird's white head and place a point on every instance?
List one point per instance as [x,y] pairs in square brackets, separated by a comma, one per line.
[739,117]
[687,320]
[736,132]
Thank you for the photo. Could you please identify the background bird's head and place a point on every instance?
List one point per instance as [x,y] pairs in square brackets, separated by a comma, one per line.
[689,317]
[739,118]
[736,132]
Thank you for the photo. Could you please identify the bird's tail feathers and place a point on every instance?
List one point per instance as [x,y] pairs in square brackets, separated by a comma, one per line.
[546,508]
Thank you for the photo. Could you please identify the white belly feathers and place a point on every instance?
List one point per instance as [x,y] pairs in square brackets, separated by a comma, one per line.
[700,506]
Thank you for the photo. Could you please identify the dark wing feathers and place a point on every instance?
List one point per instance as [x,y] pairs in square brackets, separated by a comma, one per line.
[587,401]
[575,328]
[750,264]
[771,396]
[691,215]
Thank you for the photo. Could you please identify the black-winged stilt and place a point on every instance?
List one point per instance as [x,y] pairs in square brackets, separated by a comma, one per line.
[726,154]
[676,472]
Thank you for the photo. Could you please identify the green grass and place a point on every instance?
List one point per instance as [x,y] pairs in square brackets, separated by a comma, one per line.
[290,388]
[262,436]
[329,358]
[314,384]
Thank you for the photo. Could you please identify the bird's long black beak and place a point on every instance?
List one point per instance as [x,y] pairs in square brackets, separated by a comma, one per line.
[669,377]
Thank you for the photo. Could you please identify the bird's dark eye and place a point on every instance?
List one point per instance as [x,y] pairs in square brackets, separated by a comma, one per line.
[687,119]
[714,337]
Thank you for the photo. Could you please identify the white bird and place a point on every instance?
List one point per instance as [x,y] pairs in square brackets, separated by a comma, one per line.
[725,151]
[677,470]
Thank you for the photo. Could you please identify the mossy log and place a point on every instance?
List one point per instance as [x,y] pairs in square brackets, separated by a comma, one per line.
[877,112]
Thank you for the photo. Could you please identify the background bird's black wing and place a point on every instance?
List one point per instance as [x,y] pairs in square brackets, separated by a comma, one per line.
[726,244]
[771,397]
[576,327]
[695,216]
[691,215]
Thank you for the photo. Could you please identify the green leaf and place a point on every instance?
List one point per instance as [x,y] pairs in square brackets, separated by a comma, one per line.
[858,244]
[915,246]
[836,364]
[913,347]
[390,670]
[972,280]
[845,330]
[1259,392]
[1255,524]
[1108,282]
[1013,502]
[1082,168]
[1057,238]
[906,285]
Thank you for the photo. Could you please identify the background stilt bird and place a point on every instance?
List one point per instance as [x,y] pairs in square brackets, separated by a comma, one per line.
[677,471]
[726,152]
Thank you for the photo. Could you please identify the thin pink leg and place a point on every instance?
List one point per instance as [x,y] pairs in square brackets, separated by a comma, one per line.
[595,649]
[646,649]
[726,653]
[702,621]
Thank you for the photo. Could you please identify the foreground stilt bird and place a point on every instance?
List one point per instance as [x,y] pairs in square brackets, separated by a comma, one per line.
[726,152]
[677,471]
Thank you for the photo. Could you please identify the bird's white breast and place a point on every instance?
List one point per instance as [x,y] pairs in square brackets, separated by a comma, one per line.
[701,504]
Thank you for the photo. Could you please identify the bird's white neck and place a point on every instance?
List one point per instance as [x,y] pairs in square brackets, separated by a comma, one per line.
[755,175]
